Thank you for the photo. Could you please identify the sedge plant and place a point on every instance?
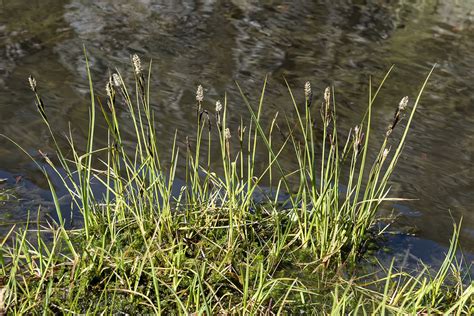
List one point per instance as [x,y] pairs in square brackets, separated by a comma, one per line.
[212,248]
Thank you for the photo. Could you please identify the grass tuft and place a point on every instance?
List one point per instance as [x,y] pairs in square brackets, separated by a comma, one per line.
[214,248]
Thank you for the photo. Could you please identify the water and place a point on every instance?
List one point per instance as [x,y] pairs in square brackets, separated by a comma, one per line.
[215,43]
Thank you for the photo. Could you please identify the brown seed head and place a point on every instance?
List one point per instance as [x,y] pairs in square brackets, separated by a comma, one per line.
[199,94]
[116,79]
[227,134]
[32,82]
[218,106]
[403,104]
[137,64]
[307,90]
[109,88]
[327,94]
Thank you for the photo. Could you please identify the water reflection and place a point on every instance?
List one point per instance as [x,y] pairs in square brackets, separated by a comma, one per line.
[216,42]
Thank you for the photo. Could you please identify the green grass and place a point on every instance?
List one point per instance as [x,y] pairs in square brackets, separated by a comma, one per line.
[3,194]
[213,249]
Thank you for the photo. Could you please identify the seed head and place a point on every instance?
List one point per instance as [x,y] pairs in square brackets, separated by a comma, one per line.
[116,80]
[199,94]
[357,136]
[137,64]
[227,133]
[403,104]
[327,94]
[109,88]
[32,82]
[307,90]
[218,106]
[385,153]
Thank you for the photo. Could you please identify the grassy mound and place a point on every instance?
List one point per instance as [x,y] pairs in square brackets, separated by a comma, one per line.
[214,248]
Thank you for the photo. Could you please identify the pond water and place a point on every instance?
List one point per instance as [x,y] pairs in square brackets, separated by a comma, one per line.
[214,43]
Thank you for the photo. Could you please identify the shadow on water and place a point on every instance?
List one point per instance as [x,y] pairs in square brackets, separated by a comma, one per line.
[213,43]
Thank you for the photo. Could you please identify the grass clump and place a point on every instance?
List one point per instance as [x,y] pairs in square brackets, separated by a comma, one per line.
[213,248]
